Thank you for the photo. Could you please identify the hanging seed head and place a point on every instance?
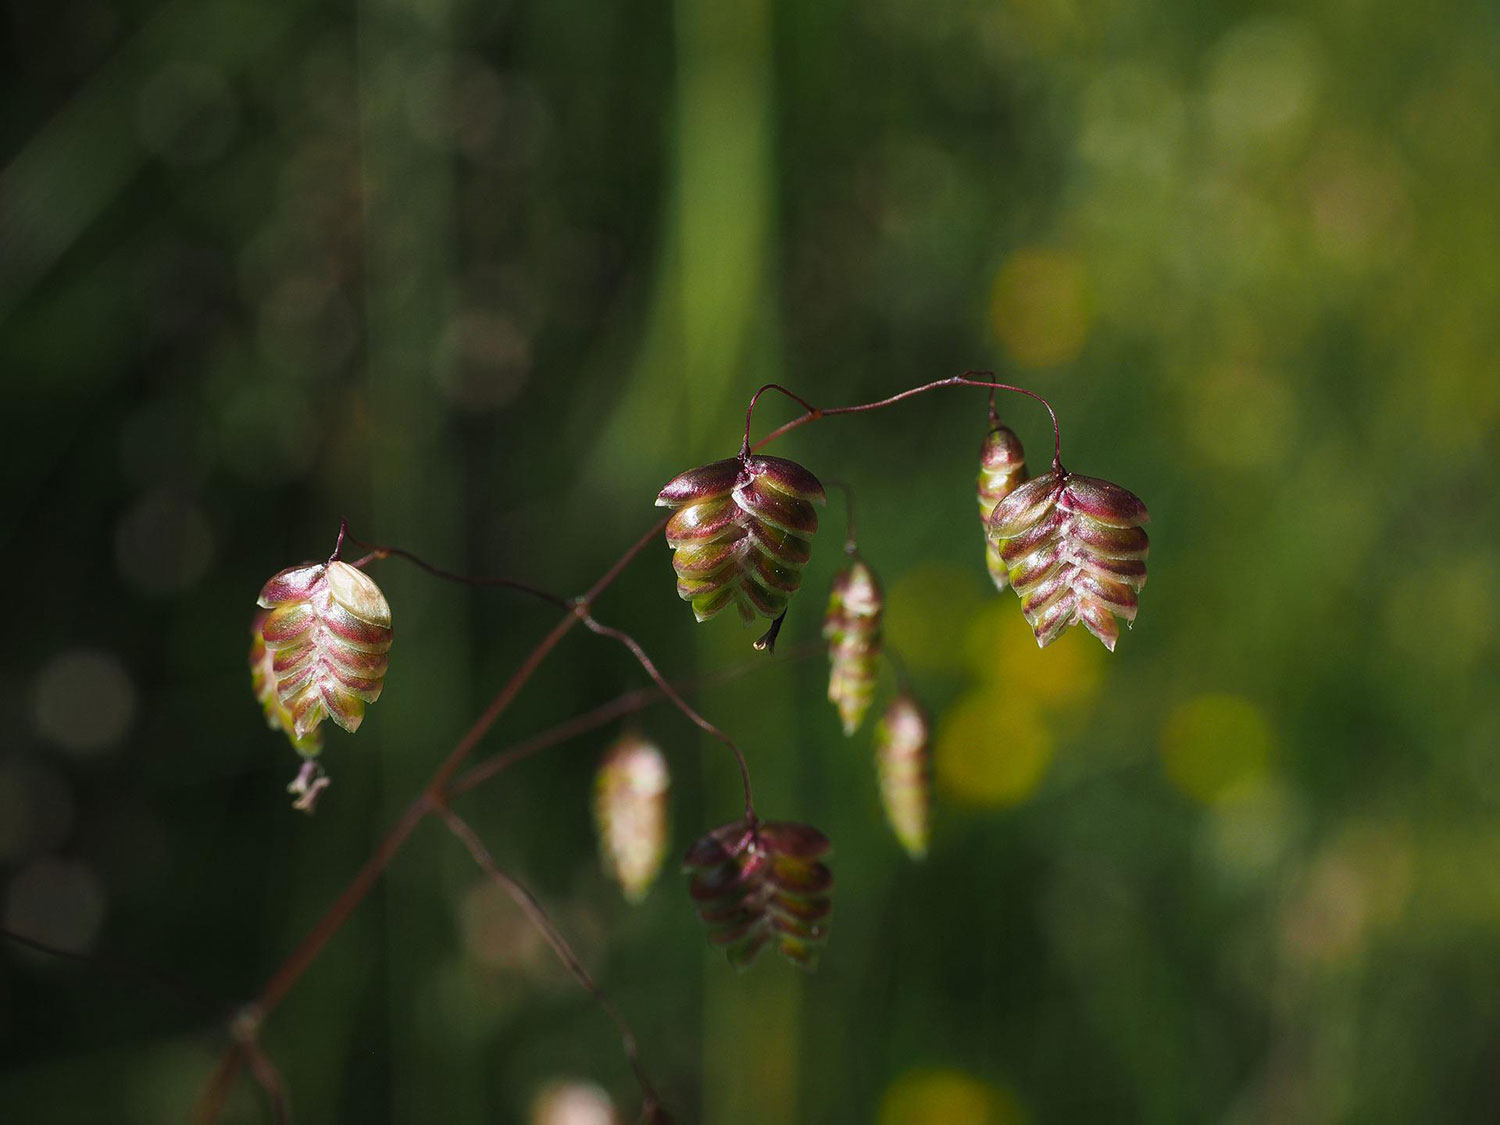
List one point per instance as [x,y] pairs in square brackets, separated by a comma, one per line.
[263,683]
[1075,551]
[741,533]
[757,882]
[852,629]
[903,763]
[1002,468]
[329,633]
[630,813]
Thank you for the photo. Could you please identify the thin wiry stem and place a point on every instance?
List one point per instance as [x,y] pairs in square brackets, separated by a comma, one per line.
[554,938]
[681,704]
[628,703]
[125,968]
[269,1079]
[850,546]
[750,411]
[434,793]
[967,379]
[384,552]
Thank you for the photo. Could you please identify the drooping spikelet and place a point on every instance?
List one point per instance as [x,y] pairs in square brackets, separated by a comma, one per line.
[904,766]
[329,633]
[263,683]
[1002,468]
[852,629]
[1075,551]
[741,533]
[630,813]
[754,882]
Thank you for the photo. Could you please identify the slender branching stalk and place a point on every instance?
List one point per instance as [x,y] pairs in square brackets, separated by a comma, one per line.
[445,782]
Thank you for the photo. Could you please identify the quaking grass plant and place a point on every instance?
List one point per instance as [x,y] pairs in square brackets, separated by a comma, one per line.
[741,529]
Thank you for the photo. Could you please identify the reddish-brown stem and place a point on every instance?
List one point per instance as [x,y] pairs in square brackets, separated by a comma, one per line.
[750,411]
[338,544]
[681,704]
[211,1101]
[628,703]
[125,968]
[554,938]
[269,1079]
[383,552]
[435,793]
[307,950]
[965,380]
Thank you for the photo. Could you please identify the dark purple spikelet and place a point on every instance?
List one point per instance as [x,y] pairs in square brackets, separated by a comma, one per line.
[852,629]
[1002,469]
[757,882]
[1075,551]
[741,534]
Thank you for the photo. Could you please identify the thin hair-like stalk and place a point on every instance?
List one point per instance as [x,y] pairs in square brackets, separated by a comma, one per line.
[965,380]
[555,940]
[434,793]
[681,704]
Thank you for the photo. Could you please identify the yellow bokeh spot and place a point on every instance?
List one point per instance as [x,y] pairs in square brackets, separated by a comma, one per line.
[1002,651]
[947,1097]
[1217,747]
[1040,306]
[993,748]
[922,606]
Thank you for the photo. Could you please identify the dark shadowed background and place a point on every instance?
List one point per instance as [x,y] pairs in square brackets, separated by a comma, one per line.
[482,277]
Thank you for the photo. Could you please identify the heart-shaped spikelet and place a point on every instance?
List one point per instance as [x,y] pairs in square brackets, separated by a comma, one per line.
[852,629]
[741,533]
[329,633]
[760,881]
[1002,469]
[1075,551]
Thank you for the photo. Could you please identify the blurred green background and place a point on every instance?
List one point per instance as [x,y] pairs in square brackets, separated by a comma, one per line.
[481,277]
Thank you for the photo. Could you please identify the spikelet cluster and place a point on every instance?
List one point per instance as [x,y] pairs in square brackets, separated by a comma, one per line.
[852,629]
[758,882]
[741,533]
[1002,468]
[263,683]
[1075,552]
[630,813]
[328,634]
[903,763]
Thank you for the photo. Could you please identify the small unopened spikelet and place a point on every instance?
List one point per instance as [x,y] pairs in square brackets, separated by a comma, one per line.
[329,633]
[903,764]
[1002,468]
[630,813]
[741,534]
[1075,551]
[852,629]
[755,882]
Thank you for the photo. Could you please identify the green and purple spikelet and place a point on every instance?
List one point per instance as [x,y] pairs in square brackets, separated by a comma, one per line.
[1002,469]
[741,533]
[758,882]
[328,634]
[1074,551]
[903,764]
[852,629]
[630,813]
